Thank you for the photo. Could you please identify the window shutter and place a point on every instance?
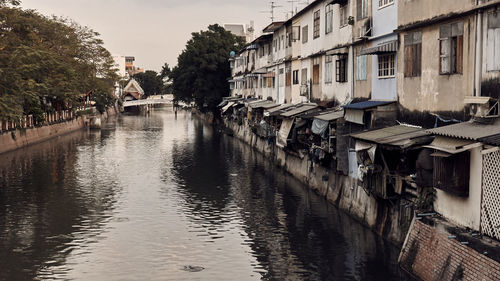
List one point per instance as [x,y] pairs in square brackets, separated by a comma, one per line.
[408,61]
[417,63]
[316,74]
[444,46]
[359,9]
[460,51]
[304,76]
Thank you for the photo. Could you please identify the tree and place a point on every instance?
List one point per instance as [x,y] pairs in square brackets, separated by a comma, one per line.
[150,82]
[203,68]
[46,63]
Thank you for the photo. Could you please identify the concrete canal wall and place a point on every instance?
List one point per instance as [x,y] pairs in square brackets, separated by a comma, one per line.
[384,217]
[12,140]
[434,251]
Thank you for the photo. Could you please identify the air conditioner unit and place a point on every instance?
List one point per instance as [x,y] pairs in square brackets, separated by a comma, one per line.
[304,90]
[483,106]
[365,30]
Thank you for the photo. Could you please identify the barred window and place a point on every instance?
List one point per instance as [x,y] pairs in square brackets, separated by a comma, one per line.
[386,66]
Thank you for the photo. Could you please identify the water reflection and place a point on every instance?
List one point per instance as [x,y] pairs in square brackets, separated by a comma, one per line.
[164,198]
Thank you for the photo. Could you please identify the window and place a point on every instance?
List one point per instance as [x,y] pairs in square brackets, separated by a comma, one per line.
[361,68]
[341,70]
[343,15]
[283,41]
[328,18]
[289,36]
[384,3]
[316,62]
[451,48]
[451,174]
[262,51]
[295,33]
[305,34]
[304,76]
[493,43]
[386,66]
[328,69]
[413,54]
[316,24]
[295,77]
[362,9]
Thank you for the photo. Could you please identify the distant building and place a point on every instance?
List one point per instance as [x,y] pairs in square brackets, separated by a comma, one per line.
[245,31]
[133,91]
[126,67]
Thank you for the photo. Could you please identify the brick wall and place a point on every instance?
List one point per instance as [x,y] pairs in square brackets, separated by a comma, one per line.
[429,254]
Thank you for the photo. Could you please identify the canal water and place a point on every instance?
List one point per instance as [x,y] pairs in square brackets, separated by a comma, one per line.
[162,197]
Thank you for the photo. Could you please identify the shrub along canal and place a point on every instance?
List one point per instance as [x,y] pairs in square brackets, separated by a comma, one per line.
[162,197]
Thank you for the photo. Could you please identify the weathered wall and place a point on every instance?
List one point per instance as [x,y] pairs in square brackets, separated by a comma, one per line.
[464,211]
[20,138]
[429,254]
[432,91]
[412,11]
[343,191]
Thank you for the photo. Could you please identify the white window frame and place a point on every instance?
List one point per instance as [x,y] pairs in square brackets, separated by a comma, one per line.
[385,3]
[361,64]
[386,62]
[328,18]
[493,43]
[343,15]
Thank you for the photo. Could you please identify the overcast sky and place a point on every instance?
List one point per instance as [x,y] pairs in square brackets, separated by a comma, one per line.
[155,31]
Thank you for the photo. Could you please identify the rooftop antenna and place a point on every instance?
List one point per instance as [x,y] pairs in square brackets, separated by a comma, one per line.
[272,6]
[293,2]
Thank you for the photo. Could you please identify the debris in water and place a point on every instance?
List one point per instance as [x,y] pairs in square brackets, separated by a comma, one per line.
[191,268]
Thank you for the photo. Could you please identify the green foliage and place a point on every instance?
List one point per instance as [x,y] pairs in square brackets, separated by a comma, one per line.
[150,81]
[47,63]
[203,68]
[89,111]
[426,200]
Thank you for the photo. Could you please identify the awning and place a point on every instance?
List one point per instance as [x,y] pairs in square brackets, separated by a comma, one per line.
[271,111]
[401,136]
[252,47]
[354,116]
[260,71]
[371,148]
[298,110]
[368,104]
[222,103]
[268,75]
[341,2]
[228,106]
[286,127]
[252,75]
[236,80]
[451,145]
[330,116]
[262,104]
[337,52]
[387,47]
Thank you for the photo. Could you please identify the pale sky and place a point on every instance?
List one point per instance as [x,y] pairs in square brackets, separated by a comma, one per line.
[156,31]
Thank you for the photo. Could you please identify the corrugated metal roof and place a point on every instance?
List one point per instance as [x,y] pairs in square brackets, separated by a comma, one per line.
[279,108]
[401,135]
[492,140]
[367,104]
[298,110]
[468,130]
[330,116]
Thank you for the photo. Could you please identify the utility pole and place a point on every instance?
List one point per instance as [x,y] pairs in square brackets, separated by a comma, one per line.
[273,6]
[293,2]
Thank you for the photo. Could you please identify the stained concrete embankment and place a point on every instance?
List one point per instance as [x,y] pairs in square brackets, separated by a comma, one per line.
[12,140]
[383,216]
